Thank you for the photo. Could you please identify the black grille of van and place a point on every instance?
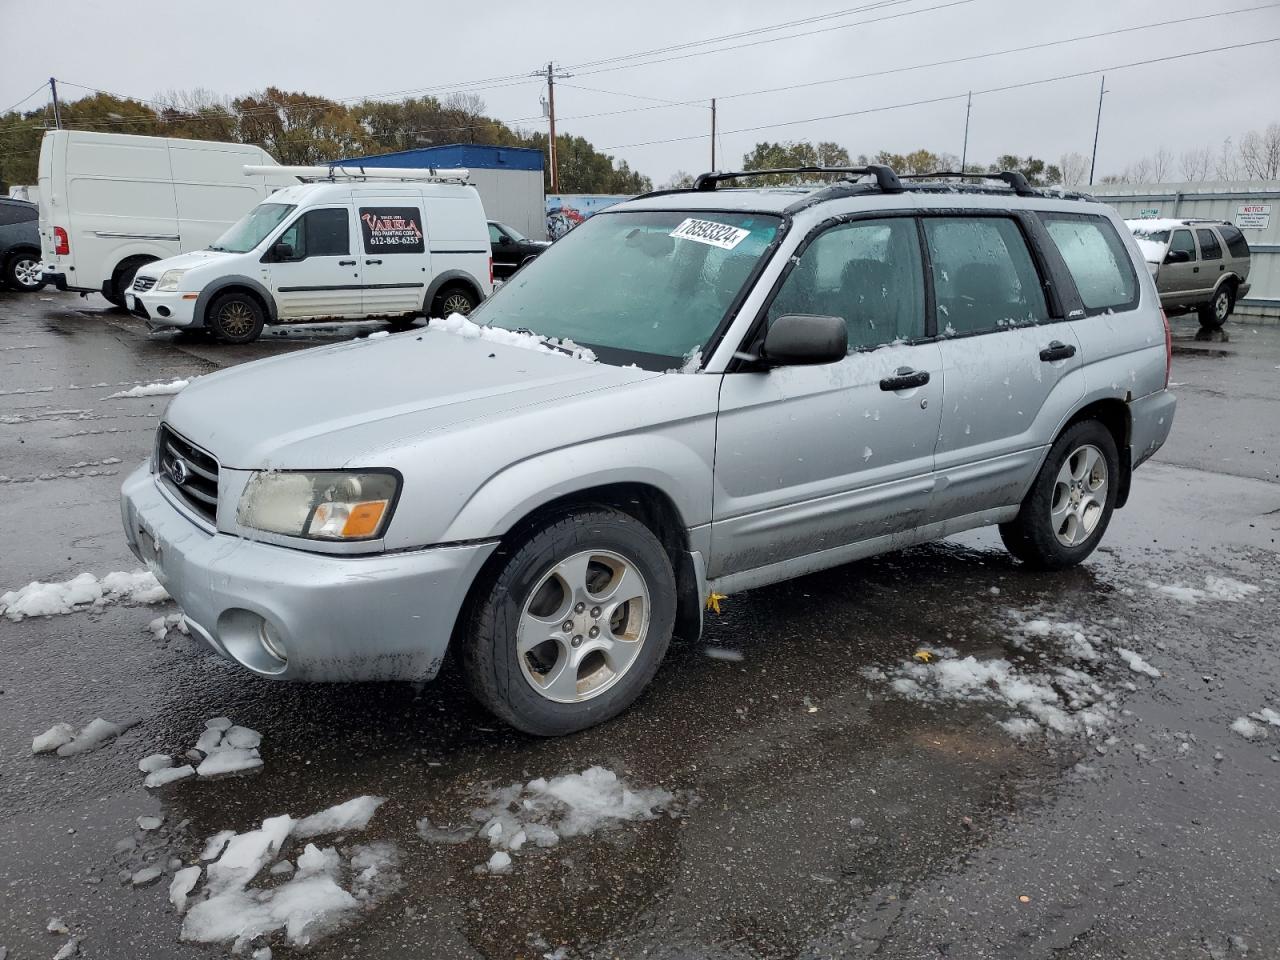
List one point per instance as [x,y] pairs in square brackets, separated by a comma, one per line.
[188,471]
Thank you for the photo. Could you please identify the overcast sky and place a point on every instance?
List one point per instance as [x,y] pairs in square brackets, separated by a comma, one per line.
[344,50]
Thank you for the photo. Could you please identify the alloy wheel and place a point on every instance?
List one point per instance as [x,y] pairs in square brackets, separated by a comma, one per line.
[1221,304]
[1079,496]
[236,319]
[456,303]
[28,272]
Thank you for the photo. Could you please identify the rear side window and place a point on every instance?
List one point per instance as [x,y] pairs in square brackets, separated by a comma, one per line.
[983,275]
[1236,242]
[1096,259]
[1210,249]
[17,213]
[1181,242]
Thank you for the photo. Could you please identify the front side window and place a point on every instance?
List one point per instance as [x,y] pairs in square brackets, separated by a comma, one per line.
[983,275]
[495,235]
[319,233]
[1236,242]
[869,273]
[649,287]
[254,227]
[1096,259]
[1210,249]
[1182,242]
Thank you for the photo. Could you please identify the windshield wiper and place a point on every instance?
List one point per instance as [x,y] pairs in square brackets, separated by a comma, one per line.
[214,246]
[545,341]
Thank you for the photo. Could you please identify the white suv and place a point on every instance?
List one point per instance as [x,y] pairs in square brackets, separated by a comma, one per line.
[342,249]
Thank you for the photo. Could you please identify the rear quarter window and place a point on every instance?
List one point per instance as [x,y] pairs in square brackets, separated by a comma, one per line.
[1096,258]
[1235,240]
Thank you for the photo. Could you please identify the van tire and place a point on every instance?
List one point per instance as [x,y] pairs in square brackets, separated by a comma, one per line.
[1214,313]
[491,661]
[122,280]
[19,271]
[1033,536]
[454,298]
[236,317]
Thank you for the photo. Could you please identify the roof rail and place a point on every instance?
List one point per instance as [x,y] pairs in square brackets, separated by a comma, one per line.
[886,179]
[335,171]
[1014,179]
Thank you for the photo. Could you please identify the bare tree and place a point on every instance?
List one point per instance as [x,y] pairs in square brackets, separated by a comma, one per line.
[1140,171]
[680,180]
[1161,164]
[1227,166]
[1260,153]
[1194,165]
[469,104]
[1074,167]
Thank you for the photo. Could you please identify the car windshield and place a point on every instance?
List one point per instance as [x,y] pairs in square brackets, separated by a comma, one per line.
[1159,236]
[644,287]
[251,229]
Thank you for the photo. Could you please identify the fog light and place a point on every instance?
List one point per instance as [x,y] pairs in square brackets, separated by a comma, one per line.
[163,311]
[270,639]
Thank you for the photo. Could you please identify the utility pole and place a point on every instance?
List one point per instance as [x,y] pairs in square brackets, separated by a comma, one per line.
[964,152]
[552,76]
[57,111]
[713,134]
[1102,89]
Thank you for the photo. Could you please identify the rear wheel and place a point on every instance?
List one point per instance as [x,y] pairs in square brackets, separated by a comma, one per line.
[1067,510]
[454,299]
[123,279]
[1214,313]
[23,270]
[235,317]
[574,623]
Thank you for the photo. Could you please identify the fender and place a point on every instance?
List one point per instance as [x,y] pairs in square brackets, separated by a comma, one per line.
[128,249]
[232,280]
[1227,278]
[444,278]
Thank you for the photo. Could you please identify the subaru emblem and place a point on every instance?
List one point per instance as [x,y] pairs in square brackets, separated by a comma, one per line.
[178,471]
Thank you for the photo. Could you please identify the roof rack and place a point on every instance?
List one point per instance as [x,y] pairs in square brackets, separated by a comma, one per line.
[886,179]
[1014,179]
[334,172]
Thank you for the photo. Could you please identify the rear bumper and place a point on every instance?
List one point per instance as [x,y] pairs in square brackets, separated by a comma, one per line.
[59,282]
[339,618]
[1151,419]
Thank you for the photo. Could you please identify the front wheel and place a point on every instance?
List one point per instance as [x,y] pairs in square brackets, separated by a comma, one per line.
[573,624]
[1214,313]
[453,300]
[1067,510]
[236,318]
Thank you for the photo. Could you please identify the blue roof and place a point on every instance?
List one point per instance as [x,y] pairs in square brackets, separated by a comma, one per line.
[476,156]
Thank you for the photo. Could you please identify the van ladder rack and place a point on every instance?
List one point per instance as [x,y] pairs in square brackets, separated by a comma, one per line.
[886,179]
[1016,181]
[336,171]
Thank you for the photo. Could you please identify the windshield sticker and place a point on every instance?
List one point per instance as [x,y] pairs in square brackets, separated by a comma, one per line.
[708,231]
[391,229]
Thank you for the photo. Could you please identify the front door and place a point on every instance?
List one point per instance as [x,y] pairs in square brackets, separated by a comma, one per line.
[1180,280]
[393,255]
[310,268]
[814,458]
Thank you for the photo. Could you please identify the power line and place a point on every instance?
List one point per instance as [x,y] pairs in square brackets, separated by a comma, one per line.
[26,98]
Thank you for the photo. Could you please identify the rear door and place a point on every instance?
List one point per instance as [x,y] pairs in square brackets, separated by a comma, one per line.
[319,276]
[393,254]
[1212,263]
[1006,351]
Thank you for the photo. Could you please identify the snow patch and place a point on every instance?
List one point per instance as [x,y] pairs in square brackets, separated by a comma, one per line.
[40,599]
[1136,663]
[151,390]
[1249,729]
[460,326]
[1215,588]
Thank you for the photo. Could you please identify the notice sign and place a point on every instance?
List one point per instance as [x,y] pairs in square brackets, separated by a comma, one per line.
[1253,216]
[709,232]
[392,229]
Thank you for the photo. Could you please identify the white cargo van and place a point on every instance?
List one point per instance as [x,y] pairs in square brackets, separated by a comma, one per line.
[110,203]
[349,247]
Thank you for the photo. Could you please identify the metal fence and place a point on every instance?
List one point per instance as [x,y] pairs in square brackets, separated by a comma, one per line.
[1252,205]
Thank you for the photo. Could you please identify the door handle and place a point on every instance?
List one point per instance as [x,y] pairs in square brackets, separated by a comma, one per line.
[1195,269]
[905,379]
[346,263]
[367,262]
[1057,350]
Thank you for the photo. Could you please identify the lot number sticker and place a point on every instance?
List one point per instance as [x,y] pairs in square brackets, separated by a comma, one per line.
[709,232]
[1253,216]
[392,229]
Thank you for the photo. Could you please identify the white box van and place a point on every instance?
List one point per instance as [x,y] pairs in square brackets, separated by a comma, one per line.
[110,203]
[340,249]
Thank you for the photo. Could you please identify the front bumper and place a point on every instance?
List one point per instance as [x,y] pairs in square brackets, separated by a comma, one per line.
[339,618]
[170,309]
[1152,419]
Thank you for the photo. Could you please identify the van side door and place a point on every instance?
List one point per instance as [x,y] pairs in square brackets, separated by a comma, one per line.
[310,267]
[393,254]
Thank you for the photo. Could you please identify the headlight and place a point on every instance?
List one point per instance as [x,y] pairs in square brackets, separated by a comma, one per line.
[333,505]
[169,279]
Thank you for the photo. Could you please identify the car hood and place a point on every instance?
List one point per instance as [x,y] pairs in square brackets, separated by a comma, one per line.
[358,403]
[184,261]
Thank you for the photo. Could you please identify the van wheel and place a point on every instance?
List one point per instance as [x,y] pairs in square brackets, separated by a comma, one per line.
[1067,510]
[235,317]
[402,323]
[122,280]
[1214,313]
[573,624]
[22,271]
[453,300]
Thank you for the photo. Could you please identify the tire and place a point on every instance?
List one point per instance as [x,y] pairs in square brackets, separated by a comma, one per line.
[236,317]
[1066,512]
[398,324]
[525,598]
[453,299]
[22,272]
[122,280]
[1214,313]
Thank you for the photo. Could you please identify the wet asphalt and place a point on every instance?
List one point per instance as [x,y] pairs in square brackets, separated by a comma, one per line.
[818,814]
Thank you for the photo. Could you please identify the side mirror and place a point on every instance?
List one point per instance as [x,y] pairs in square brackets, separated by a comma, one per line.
[1177,256]
[504,240]
[803,340]
[282,251]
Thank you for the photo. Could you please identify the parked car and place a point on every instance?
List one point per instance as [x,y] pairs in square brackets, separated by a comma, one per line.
[347,249]
[20,245]
[511,249]
[112,202]
[1200,265]
[693,393]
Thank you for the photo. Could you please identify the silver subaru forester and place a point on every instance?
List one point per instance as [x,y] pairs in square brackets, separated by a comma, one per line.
[693,393]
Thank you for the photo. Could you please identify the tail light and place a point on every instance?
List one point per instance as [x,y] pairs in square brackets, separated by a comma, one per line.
[61,243]
[491,271]
[1168,349]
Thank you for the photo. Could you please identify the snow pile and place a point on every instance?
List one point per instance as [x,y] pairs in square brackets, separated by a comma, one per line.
[460,326]
[1074,639]
[160,626]
[325,890]
[223,748]
[1249,729]
[352,815]
[151,390]
[63,738]
[1136,663]
[1215,588]
[542,812]
[40,599]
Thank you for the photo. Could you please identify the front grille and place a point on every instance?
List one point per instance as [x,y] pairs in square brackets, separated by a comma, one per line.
[143,284]
[188,471]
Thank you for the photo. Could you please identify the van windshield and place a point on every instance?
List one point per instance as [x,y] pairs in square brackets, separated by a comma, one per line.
[645,287]
[251,229]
